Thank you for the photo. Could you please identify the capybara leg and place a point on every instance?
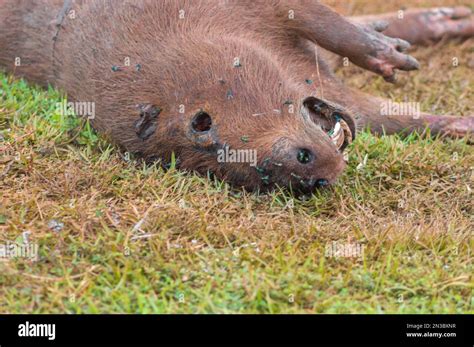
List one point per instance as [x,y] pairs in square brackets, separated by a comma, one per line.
[450,126]
[423,26]
[386,117]
[363,45]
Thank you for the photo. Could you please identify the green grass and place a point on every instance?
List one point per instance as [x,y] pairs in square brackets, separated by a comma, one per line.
[140,239]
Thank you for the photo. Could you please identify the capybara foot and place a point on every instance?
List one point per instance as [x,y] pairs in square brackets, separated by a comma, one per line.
[386,54]
[442,22]
[461,127]
[424,26]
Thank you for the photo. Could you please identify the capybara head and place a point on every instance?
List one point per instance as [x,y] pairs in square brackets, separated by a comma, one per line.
[233,112]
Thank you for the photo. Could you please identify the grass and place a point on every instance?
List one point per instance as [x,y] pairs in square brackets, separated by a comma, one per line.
[117,236]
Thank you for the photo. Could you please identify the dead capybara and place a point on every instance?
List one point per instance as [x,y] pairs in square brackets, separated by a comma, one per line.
[237,88]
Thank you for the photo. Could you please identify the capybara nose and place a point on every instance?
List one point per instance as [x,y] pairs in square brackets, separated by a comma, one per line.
[317,184]
[310,185]
[322,183]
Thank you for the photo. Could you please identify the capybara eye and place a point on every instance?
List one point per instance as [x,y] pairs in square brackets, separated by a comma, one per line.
[201,122]
[304,156]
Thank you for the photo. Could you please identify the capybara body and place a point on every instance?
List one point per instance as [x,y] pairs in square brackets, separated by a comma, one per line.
[198,79]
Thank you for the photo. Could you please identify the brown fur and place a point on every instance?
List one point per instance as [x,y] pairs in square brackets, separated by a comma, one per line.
[190,62]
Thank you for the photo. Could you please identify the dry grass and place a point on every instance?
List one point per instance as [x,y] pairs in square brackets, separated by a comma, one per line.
[138,239]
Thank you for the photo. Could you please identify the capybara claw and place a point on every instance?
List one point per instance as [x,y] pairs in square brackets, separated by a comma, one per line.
[386,55]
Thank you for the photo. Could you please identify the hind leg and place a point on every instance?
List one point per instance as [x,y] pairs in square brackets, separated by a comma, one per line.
[383,116]
[423,26]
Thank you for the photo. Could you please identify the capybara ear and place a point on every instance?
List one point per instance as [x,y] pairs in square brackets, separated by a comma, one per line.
[202,131]
[326,114]
[148,122]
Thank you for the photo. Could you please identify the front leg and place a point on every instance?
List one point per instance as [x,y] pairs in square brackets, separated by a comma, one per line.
[363,45]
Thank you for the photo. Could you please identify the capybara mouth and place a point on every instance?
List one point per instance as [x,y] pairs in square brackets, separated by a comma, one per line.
[341,134]
[339,125]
